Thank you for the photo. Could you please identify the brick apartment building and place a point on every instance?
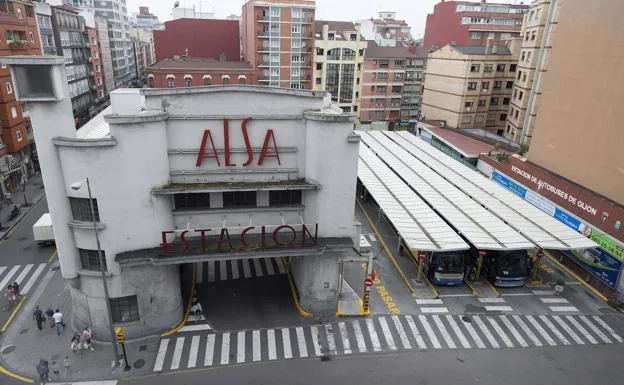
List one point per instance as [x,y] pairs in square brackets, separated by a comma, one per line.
[386,30]
[20,35]
[95,65]
[472,23]
[181,71]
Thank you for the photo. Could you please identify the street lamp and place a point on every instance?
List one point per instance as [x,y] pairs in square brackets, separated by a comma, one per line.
[76,186]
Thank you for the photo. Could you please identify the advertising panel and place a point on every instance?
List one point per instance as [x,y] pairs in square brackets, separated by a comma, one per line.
[598,262]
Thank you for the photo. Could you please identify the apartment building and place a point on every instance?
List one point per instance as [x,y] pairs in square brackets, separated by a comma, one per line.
[44,24]
[95,65]
[182,71]
[145,19]
[339,51]
[20,36]
[115,13]
[106,59]
[538,28]
[471,86]
[386,30]
[277,39]
[473,23]
[391,85]
[72,42]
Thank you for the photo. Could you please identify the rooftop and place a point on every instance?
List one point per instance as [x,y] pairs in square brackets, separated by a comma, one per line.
[468,147]
[482,50]
[376,51]
[334,25]
[198,63]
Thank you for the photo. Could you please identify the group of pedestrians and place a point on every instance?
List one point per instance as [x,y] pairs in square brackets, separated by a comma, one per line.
[54,319]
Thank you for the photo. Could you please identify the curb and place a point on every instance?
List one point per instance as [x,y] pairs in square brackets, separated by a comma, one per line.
[21,217]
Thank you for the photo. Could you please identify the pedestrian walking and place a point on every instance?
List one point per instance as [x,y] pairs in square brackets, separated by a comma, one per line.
[38,317]
[10,294]
[43,370]
[49,313]
[87,336]
[16,287]
[75,342]
[58,321]
[67,366]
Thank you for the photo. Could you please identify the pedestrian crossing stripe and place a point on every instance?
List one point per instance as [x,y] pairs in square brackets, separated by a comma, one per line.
[214,271]
[382,333]
[25,275]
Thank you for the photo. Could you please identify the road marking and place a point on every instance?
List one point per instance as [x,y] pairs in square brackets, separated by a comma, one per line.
[160,357]
[435,310]
[486,332]
[595,329]
[211,271]
[563,308]
[177,353]
[272,345]
[517,295]
[223,270]
[458,332]
[527,331]
[193,328]
[500,332]
[581,329]
[20,278]
[331,341]
[568,330]
[491,300]
[210,344]
[434,340]
[498,308]
[33,278]
[257,267]
[286,343]
[315,340]
[255,345]
[386,332]
[429,302]
[404,340]
[445,334]
[234,264]
[554,300]
[280,266]
[373,335]
[514,331]
[240,348]
[269,266]
[415,333]
[2,269]
[192,360]
[455,295]
[474,335]
[225,349]
[553,329]
[301,342]
[7,278]
[542,292]
[359,337]
[345,338]
[246,268]
[608,328]
[541,330]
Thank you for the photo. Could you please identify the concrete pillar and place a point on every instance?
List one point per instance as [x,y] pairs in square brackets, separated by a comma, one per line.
[316,278]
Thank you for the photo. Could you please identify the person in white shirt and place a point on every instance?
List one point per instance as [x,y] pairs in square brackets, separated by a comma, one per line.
[58,321]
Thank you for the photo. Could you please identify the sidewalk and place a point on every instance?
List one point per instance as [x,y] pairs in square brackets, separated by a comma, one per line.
[34,193]
[23,345]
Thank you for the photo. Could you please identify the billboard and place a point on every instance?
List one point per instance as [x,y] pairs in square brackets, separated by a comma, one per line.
[598,262]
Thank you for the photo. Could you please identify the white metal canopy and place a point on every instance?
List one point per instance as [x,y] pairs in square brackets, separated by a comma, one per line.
[482,228]
[536,225]
[418,225]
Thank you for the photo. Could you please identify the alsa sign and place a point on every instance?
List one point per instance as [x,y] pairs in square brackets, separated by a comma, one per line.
[238,239]
[269,147]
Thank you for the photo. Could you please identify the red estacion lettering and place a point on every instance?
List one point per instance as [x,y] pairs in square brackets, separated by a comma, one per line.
[250,155]
[202,149]
[226,142]
[265,149]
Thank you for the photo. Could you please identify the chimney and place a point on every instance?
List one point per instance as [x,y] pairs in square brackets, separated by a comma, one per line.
[325,31]
[495,48]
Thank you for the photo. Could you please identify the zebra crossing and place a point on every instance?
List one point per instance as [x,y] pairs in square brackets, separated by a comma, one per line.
[383,333]
[25,275]
[215,271]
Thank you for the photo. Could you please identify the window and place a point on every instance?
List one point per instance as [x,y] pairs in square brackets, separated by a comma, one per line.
[512,67]
[10,36]
[275,43]
[487,68]
[348,54]
[319,66]
[500,68]
[476,35]
[531,15]
[517,113]
[295,58]
[242,81]
[524,76]
[333,54]
[170,82]
[18,11]
[468,104]
[533,35]
[529,57]
[523,56]
[207,81]
[330,36]
[503,117]
[399,63]
[192,201]
[355,108]
[18,135]
[494,101]
[81,210]
[515,94]
[125,309]
[498,84]
[398,77]
[383,63]
[31,37]
[284,198]
[520,95]
[14,112]
[475,68]
[397,89]
[226,81]
[188,82]
[466,119]
[353,37]
[360,53]
[485,85]
[318,81]
[232,200]
[472,85]
[275,12]
[509,84]
[482,103]
[89,259]
[320,51]
[295,29]
[9,88]
[519,74]
[505,101]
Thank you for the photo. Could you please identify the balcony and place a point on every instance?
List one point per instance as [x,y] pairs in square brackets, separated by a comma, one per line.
[19,44]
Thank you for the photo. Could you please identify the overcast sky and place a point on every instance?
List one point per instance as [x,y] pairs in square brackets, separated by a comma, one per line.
[413,11]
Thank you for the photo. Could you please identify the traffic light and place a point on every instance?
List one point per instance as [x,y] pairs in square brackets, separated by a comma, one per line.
[119,334]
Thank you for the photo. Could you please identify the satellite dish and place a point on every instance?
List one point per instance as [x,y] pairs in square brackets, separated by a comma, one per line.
[176,4]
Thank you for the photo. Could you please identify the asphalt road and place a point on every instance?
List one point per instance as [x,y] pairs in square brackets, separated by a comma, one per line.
[548,366]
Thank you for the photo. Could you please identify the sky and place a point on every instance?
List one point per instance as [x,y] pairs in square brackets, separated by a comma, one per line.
[413,11]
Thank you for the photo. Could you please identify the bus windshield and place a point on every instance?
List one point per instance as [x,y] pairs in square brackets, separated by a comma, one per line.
[448,263]
[513,264]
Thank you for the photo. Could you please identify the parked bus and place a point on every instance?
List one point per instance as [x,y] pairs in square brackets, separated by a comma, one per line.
[503,268]
[446,268]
